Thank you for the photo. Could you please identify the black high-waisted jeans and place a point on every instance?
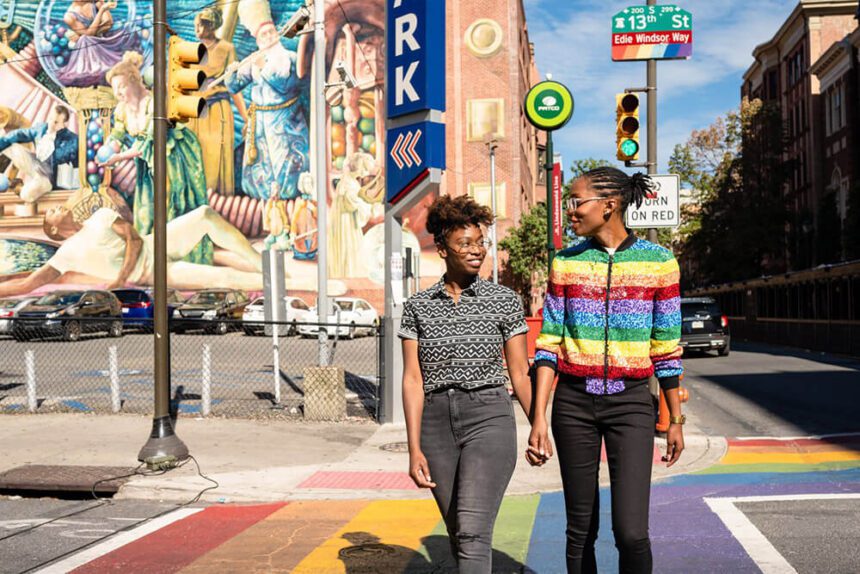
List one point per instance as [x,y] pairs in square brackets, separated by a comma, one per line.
[470,441]
[626,422]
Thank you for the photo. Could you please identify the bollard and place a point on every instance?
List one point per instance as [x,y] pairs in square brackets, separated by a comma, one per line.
[113,367]
[325,394]
[206,382]
[30,365]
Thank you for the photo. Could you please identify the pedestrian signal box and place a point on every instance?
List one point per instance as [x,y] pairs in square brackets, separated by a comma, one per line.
[627,126]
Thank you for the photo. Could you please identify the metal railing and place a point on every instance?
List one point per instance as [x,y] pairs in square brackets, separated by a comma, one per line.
[221,368]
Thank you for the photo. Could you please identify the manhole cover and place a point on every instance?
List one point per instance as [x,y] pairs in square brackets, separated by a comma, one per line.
[65,478]
[402,446]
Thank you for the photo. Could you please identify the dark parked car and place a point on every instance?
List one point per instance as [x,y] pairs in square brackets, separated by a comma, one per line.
[211,310]
[70,313]
[703,326]
[138,305]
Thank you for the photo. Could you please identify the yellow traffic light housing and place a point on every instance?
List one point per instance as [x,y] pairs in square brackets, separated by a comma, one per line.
[627,126]
[182,106]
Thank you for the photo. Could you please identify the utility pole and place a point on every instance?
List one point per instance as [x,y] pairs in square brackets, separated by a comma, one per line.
[321,178]
[651,81]
[162,440]
[550,239]
[492,144]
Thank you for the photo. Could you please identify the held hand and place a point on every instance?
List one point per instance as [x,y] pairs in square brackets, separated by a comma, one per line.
[419,471]
[674,444]
[540,447]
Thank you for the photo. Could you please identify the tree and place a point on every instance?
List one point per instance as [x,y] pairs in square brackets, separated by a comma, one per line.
[526,249]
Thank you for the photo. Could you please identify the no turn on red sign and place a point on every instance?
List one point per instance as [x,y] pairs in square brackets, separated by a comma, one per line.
[664,210]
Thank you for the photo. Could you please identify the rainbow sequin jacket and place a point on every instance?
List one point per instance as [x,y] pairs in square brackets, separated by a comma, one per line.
[613,320]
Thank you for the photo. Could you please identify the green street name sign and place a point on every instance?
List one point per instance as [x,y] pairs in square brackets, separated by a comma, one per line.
[548,105]
[659,18]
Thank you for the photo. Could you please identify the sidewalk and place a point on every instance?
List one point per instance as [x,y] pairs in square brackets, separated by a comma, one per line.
[273,460]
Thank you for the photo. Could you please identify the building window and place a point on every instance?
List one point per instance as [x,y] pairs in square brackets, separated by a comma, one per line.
[836,109]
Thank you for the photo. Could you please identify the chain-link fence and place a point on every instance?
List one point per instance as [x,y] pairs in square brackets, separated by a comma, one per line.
[218,368]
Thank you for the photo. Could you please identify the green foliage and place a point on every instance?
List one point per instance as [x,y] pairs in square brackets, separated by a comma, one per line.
[526,249]
[734,226]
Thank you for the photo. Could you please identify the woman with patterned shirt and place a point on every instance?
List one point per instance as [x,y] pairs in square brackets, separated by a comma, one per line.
[459,415]
[611,320]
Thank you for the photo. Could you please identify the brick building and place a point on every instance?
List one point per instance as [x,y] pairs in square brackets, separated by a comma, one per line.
[490,67]
[839,85]
[781,75]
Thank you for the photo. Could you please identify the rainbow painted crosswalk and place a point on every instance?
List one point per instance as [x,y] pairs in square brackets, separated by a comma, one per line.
[318,537]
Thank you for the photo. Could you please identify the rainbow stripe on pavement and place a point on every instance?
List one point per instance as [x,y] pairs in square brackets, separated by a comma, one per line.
[322,537]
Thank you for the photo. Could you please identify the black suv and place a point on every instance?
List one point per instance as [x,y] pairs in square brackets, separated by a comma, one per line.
[703,326]
[212,310]
[68,314]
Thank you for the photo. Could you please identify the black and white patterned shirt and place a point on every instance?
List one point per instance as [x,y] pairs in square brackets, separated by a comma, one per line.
[460,344]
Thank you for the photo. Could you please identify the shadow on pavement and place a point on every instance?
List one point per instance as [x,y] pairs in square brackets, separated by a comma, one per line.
[368,555]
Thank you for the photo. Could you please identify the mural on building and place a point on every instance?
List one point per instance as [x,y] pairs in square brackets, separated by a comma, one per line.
[76,146]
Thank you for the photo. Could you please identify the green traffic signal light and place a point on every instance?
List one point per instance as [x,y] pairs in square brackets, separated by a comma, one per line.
[629,148]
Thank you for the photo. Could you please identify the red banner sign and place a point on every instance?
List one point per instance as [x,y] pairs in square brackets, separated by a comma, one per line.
[557,209]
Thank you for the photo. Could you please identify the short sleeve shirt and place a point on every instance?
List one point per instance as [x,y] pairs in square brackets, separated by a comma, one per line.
[460,344]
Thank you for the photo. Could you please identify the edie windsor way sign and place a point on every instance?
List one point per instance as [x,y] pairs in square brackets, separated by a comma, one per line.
[660,32]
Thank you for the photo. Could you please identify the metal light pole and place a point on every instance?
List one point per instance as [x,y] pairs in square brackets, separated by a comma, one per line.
[162,440]
[321,178]
[550,239]
[492,145]
[651,81]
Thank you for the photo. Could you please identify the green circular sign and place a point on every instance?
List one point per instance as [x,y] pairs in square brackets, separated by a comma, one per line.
[548,105]
[629,148]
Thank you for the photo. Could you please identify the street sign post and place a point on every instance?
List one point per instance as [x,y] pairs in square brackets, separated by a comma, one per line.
[663,210]
[415,154]
[549,106]
[653,32]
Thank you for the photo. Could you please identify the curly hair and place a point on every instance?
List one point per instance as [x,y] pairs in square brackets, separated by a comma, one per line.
[447,214]
[129,67]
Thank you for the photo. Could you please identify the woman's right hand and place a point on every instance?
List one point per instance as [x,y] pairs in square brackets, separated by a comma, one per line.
[540,447]
[419,470]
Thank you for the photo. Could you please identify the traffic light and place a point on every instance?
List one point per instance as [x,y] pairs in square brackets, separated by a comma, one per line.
[182,79]
[627,130]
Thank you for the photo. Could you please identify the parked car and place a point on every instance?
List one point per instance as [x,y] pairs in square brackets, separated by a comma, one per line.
[254,315]
[211,310]
[703,326]
[69,314]
[138,305]
[349,313]
[9,310]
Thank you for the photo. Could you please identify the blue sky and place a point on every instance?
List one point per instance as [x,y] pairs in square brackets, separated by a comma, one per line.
[572,41]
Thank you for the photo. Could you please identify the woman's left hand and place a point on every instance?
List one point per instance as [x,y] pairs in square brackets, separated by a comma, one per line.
[674,444]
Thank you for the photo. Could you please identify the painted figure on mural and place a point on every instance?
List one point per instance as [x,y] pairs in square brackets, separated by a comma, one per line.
[93,49]
[348,216]
[276,135]
[186,181]
[215,128]
[55,145]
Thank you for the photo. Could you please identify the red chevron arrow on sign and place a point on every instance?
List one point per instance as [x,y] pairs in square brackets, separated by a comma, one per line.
[395,152]
[403,150]
[411,148]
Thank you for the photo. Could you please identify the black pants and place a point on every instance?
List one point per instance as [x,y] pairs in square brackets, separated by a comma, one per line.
[470,441]
[626,422]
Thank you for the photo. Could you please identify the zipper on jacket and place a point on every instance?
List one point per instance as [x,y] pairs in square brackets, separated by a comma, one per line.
[606,327]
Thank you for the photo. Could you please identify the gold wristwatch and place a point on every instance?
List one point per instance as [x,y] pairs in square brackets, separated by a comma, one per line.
[678,420]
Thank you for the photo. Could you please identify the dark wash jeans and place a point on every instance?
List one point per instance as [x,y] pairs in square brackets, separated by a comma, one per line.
[470,441]
[626,422]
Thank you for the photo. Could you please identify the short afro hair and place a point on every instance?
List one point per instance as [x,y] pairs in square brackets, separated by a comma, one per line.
[449,213]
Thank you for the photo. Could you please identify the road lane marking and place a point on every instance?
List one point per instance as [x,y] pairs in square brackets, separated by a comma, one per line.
[117,541]
[757,546]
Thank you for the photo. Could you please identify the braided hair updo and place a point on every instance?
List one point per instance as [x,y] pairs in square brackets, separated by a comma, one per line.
[632,189]
[447,214]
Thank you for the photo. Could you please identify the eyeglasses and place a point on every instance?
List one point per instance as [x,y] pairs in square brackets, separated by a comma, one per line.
[468,247]
[573,203]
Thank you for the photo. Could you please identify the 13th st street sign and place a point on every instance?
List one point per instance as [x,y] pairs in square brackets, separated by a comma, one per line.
[661,32]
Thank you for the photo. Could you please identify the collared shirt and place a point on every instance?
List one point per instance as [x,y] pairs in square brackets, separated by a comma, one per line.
[460,344]
[45,146]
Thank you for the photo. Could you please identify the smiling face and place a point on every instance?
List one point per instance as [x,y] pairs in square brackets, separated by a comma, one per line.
[464,250]
[593,210]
